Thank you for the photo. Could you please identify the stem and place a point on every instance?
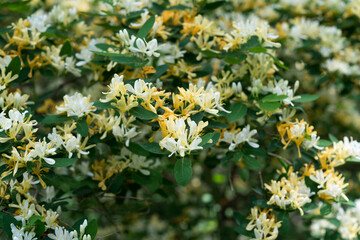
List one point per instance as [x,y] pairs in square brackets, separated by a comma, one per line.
[280,157]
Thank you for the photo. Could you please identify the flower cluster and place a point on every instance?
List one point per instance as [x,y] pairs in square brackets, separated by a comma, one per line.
[166,119]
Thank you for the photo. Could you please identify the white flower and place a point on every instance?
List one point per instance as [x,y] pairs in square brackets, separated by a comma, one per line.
[63,234]
[55,138]
[74,144]
[4,62]
[143,47]
[25,209]
[51,219]
[312,143]
[237,137]
[123,132]
[50,193]
[85,55]
[43,149]
[173,146]
[82,227]
[179,139]
[123,35]
[20,234]
[70,66]
[5,123]
[320,178]
[298,129]
[38,21]
[152,46]
[139,163]
[76,105]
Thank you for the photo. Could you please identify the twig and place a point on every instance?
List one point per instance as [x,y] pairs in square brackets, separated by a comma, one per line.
[261,179]
[280,157]
[230,181]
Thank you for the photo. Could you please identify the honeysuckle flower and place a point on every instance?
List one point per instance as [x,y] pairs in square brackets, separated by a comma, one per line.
[178,139]
[39,21]
[20,234]
[123,35]
[237,137]
[85,56]
[63,234]
[76,105]
[42,149]
[312,143]
[140,163]
[26,209]
[5,61]
[290,191]
[263,223]
[121,132]
[143,47]
[51,219]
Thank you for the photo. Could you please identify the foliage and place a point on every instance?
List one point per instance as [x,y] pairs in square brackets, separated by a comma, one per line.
[175,119]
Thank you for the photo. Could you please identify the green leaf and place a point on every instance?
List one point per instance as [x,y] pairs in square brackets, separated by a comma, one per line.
[242,222]
[142,113]
[19,173]
[53,119]
[145,29]
[33,219]
[324,143]
[107,54]
[252,163]
[307,98]
[216,125]
[7,220]
[77,224]
[235,60]
[152,182]
[99,104]
[353,159]
[244,174]
[23,76]
[334,221]
[91,228]
[269,106]
[214,137]
[277,62]
[198,117]
[210,53]
[61,162]
[333,138]
[160,70]
[238,111]
[105,46]
[14,66]
[128,60]
[135,148]
[178,7]
[284,217]
[183,171]
[274,98]
[325,209]
[205,139]
[66,49]
[82,127]
[257,49]
[153,148]
[39,228]
[5,146]
[5,30]
[213,5]
[309,206]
